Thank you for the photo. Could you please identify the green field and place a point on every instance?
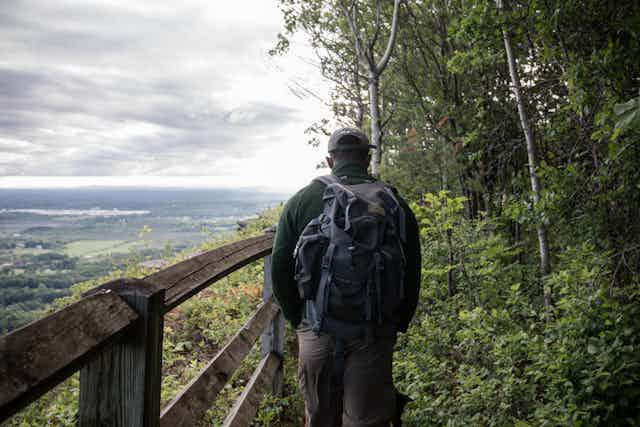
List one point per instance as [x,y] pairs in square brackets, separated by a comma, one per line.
[29,251]
[92,248]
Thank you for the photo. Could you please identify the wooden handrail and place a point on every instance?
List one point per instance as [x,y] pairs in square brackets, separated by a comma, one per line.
[37,357]
[114,335]
[183,280]
[189,277]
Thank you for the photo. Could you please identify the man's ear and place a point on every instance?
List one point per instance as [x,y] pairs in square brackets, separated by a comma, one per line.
[329,161]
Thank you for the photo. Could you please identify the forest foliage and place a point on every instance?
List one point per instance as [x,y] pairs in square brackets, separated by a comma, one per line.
[484,348]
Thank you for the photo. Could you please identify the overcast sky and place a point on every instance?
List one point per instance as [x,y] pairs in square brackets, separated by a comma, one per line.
[153,90]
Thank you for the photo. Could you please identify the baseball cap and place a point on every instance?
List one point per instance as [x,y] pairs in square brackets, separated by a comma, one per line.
[348,139]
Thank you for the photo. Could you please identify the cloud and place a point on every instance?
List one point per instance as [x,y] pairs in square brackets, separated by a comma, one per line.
[132,88]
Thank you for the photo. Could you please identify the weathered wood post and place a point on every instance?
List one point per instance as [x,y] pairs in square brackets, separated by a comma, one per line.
[273,337]
[121,385]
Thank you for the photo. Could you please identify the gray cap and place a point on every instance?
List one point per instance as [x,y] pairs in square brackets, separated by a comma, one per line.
[349,139]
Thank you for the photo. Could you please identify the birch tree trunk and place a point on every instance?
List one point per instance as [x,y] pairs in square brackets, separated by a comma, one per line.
[376,134]
[366,57]
[543,241]
[451,284]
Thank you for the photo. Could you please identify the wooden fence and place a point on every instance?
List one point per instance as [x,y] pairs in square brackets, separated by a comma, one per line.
[113,335]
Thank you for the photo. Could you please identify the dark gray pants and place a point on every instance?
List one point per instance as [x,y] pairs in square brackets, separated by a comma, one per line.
[368,397]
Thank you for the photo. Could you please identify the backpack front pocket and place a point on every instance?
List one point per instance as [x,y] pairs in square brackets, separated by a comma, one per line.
[308,264]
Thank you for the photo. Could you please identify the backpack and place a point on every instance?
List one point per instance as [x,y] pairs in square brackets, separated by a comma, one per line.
[349,261]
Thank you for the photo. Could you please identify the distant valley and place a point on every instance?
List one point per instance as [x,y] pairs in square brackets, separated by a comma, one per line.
[51,239]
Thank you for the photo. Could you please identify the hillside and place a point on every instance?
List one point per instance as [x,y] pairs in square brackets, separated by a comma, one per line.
[193,334]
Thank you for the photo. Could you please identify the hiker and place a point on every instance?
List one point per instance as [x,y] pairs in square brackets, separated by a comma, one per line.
[350,286]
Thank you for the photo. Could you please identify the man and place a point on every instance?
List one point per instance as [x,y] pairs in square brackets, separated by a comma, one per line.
[369,397]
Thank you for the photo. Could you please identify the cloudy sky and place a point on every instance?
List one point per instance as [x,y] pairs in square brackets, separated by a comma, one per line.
[156,92]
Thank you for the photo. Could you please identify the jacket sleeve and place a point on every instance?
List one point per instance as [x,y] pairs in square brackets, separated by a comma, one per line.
[413,270]
[282,265]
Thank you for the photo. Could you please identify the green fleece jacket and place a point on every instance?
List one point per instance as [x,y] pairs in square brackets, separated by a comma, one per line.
[307,204]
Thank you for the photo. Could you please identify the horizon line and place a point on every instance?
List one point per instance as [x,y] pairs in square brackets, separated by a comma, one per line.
[17,182]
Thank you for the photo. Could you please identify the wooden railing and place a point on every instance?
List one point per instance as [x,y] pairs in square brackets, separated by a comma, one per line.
[113,335]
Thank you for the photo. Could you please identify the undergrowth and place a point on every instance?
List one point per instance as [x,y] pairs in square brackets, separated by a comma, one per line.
[493,355]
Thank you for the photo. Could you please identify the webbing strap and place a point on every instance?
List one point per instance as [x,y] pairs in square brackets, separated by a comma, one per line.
[323,288]
[347,212]
[368,307]
[378,280]
[401,215]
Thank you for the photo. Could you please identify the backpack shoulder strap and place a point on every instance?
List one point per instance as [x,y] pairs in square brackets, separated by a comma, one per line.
[402,226]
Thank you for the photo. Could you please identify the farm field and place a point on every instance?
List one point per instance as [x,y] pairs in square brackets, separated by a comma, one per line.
[52,239]
[93,248]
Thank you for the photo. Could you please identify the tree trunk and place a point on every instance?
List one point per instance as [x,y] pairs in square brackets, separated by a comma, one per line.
[359,118]
[543,242]
[468,211]
[365,56]
[451,284]
[374,112]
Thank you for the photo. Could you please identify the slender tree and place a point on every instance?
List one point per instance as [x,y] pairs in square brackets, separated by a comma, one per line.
[365,53]
[543,241]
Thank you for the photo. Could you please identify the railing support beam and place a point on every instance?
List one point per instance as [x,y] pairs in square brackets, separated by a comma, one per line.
[273,337]
[121,385]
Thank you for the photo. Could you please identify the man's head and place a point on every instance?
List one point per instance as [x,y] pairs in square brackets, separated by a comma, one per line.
[348,145]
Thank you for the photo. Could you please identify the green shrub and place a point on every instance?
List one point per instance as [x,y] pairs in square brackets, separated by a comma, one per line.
[492,355]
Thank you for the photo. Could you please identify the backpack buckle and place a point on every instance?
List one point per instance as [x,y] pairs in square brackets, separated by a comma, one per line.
[328,257]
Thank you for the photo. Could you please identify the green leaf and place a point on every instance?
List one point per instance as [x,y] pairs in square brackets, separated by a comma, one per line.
[625,107]
[613,150]
[628,113]
[629,119]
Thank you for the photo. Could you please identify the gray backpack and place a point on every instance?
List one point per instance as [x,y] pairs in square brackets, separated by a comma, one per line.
[349,261]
